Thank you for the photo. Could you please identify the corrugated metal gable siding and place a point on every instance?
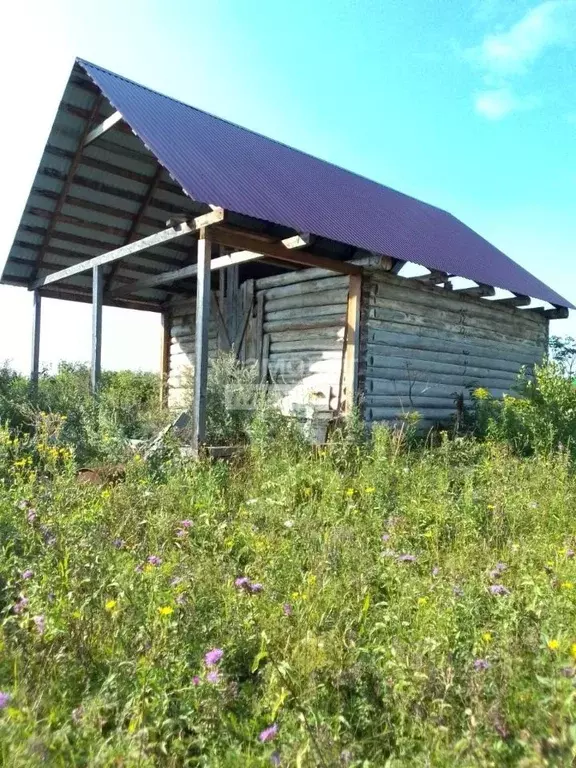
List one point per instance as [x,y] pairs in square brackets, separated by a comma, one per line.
[220,163]
[424,346]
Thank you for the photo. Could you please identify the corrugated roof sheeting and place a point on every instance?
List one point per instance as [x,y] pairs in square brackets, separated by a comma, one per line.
[221,163]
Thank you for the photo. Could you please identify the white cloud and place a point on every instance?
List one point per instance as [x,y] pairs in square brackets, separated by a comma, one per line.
[552,23]
[495,104]
[502,56]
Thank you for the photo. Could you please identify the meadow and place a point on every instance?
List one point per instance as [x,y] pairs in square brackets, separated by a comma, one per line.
[385,600]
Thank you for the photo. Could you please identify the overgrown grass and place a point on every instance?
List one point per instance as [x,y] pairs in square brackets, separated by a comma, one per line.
[417,607]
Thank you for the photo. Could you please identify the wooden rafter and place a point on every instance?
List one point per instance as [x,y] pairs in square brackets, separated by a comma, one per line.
[103,128]
[180,230]
[479,290]
[518,300]
[65,188]
[137,220]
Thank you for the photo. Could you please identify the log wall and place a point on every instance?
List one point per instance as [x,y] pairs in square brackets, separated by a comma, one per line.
[422,346]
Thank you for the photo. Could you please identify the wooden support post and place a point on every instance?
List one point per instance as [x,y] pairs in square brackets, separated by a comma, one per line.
[165,357]
[201,339]
[352,347]
[35,367]
[97,293]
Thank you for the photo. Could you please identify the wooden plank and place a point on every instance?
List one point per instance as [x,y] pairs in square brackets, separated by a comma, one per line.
[298,241]
[165,357]
[479,290]
[158,238]
[97,295]
[136,222]
[352,343]
[242,331]
[223,337]
[558,313]
[36,323]
[260,299]
[338,296]
[514,301]
[201,345]
[103,128]
[237,239]
[220,262]
[434,277]
[66,184]
[265,364]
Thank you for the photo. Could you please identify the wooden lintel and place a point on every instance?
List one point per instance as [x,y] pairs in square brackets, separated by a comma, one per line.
[186,228]
[479,290]
[104,126]
[302,240]
[242,240]
[514,301]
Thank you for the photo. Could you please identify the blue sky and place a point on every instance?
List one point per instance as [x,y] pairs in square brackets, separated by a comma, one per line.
[469,105]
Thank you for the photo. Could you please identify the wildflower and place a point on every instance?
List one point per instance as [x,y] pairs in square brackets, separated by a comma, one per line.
[195,680]
[186,523]
[119,543]
[435,571]
[422,601]
[480,393]
[287,609]
[498,570]
[20,605]
[458,591]
[154,560]
[4,699]
[251,501]
[268,733]
[213,677]
[31,515]
[27,574]
[213,657]
[533,505]
[553,645]
[386,537]
[487,637]
[243,582]
[288,523]
[481,664]
[370,490]
[47,535]
[349,491]
[573,651]
[388,553]
[165,610]
[499,589]
[22,504]
[40,623]
[257,587]
[139,568]
[567,585]
[180,532]
[406,558]
[181,600]
[275,758]
[570,553]
[568,671]
[110,605]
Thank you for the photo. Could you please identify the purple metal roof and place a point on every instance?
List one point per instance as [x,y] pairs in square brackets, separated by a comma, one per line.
[220,163]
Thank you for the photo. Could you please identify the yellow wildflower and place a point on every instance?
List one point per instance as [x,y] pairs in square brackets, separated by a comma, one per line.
[422,601]
[487,637]
[165,610]
[350,492]
[369,490]
[567,585]
[573,651]
[110,605]
[480,393]
[553,645]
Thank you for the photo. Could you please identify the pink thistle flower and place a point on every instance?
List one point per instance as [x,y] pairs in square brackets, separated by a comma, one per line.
[268,733]
[213,677]
[213,657]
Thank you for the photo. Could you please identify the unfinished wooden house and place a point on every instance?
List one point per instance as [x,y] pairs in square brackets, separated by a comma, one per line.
[245,244]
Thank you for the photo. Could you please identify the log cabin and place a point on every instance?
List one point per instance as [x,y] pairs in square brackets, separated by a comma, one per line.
[293,264]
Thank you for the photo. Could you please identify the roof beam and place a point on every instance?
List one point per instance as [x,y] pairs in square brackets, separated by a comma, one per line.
[136,221]
[479,290]
[243,241]
[518,300]
[180,230]
[220,262]
[67,183]
[434,277]
[558,313]
[302,240]
[103,128]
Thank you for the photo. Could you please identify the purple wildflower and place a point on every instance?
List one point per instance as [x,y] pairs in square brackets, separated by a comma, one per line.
[435,571]
[40,623]
[213,657]
[386,537]
[498,570]
[186,523]
[20,605]
[256,587]
[287,609]
[275,759]
[481,664]
[568,672]
[243,582]
[213,677]
[181,600]
[119,543]
[31,515]
[268,733]
[499,589]
[180,532]
[47,535]
[195,680]
[27,574]
[458,591]
[154,560]
[406,558]
[139,568]
[4,699]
